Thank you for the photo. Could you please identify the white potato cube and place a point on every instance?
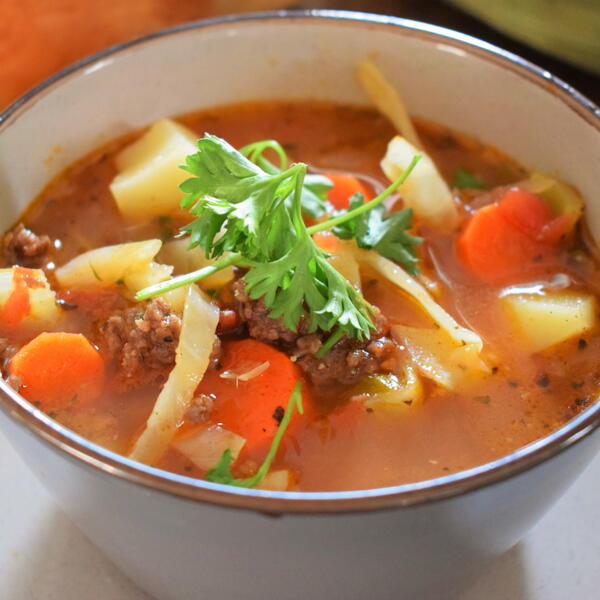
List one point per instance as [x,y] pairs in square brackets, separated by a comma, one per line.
[107,265]
[176,253]
[546,320]
[149,175]
[43,310]
[276,481]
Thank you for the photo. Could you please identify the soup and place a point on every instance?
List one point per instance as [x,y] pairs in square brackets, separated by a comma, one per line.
[467,326]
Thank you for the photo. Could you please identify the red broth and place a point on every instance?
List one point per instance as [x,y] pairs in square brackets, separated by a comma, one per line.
[341,445]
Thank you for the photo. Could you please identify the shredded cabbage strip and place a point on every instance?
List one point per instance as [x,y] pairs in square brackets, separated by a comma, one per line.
[198,334]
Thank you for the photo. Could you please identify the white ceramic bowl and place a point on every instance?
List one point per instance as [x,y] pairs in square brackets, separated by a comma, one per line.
[180,538]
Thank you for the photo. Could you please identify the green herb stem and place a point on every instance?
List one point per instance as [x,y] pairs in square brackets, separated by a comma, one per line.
[335,221]
[255,153]
[333,339]
[295,402]
[181,280]
[221,473]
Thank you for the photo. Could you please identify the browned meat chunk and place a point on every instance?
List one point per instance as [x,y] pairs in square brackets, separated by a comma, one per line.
[142,342]
[347,362]
[256,315]
[25,248]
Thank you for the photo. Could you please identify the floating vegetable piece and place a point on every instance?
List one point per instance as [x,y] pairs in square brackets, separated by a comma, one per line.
[344,187]
[107,265]
[387,99]
[247,394]
[149,274]
[562,199]
[401,391]
[59,370]
[149,173]
[513,240]
[26,299]
[425,191]
[276,481]
[222,472]
[204,447]
[438,357]
[396,275]
[342,256]
[545,320]
[184,260]
[198,327]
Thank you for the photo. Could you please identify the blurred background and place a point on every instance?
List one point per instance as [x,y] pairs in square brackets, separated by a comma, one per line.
[39,37]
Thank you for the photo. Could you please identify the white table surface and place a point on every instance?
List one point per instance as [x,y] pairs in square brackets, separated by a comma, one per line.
[43,556]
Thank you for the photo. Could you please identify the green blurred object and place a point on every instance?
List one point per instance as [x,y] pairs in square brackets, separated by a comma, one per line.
[568,29]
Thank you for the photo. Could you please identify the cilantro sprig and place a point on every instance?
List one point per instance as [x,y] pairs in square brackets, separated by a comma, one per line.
[389,236]
[221,472]
[250,213]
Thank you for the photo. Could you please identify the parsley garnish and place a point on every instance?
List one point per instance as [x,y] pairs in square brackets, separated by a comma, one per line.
[221,472]
[251,215]
[387,235]
[462,178]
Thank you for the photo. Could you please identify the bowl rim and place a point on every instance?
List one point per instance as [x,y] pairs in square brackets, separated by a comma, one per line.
[87,454]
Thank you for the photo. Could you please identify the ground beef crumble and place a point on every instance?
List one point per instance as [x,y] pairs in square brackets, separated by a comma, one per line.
[347,362]
[24,248]
[142,342]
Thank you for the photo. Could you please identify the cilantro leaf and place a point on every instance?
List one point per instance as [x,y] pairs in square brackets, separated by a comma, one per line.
[388,236]
[315,188]
[232,199]
[221,472]
[251,215]
[462,178]
[302,283]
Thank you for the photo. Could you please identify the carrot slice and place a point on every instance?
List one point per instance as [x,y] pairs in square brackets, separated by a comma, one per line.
[247,404]
[344,187]
[511,240]
[57,370]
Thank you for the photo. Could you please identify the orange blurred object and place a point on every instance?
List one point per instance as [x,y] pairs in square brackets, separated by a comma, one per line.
[38,38]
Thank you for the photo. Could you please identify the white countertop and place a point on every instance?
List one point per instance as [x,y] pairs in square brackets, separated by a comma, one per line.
[43,556]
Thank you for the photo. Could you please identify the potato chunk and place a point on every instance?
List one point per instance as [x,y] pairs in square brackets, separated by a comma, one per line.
[546,320]
[149,175]
[107,265]
[40,310]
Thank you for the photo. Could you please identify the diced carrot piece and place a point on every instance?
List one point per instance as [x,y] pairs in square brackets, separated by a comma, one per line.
[525,211]
[57,370]
[512,240]
[344,187]
[251,408]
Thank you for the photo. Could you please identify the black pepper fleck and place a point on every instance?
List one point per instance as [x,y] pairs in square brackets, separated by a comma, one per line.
[543,380]
[582,344]
[278,414]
